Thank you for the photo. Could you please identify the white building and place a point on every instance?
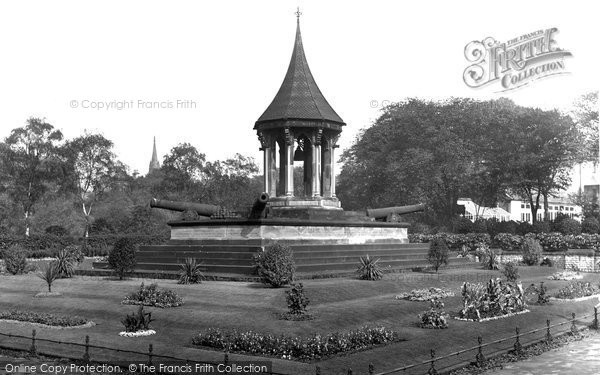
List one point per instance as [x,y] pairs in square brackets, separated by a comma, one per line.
[519,210]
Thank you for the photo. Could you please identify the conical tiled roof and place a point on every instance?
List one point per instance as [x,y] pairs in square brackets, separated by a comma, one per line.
[299,97]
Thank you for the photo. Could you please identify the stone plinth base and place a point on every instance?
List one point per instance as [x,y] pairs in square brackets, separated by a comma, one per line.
[268,230]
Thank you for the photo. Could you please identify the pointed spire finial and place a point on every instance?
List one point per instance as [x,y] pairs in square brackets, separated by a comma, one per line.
[298,13]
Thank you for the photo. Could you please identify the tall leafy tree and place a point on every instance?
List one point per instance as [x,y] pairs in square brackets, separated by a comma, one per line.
[586,115]
[30,163]
[93,169]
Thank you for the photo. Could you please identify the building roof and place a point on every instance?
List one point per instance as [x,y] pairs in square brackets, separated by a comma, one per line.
[299,97]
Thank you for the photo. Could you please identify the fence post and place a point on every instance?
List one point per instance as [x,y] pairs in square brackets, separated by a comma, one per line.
[479,357]
[548,335]
[371,369]
[149,354]
[432,370]
[86,355]
[595,325]
[349,371]
[226,358]
[574,329]
[33,349]
[518,347]
[317,370]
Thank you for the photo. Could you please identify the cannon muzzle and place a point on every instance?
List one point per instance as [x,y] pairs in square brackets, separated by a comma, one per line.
[259,208]
[380,213]
[201,209]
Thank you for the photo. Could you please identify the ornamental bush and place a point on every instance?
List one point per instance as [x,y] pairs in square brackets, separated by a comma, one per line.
[368,269]
[297,348]
[122,257]
[541,226]
[511,272]
[137,321]
[425,294]
[297,300]
[438,253]
[275,265]
[435,317]
[15,259]
[532,251]
[569,226]
[590,225]
[487,257]
[152,296]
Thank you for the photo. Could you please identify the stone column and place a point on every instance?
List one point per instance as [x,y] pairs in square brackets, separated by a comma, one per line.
[272,190]
[332,169]
[326,170]
[282,164]
[316,164]
[289,163]
[267,169]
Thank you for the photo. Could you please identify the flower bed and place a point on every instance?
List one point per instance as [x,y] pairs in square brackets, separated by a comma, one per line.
[425,294]
[494,299]
[299,348]
[566,275]
[152,296]
[142,333]
[43,318]
[576,290]
[492,317]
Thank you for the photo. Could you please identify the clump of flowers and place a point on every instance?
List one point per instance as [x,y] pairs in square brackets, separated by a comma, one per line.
[152,296]
[577,289]
[425,294]
[566,275]
[496,298]
[435,317]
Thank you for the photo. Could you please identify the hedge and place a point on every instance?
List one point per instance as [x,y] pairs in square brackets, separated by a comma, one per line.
[510,242]
[48,245]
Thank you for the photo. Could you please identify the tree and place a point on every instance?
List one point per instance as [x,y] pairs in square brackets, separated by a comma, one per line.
[183,168]
[586,115]
[29,163]
[93,169]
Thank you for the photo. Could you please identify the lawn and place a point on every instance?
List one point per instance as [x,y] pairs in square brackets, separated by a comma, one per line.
[338,304]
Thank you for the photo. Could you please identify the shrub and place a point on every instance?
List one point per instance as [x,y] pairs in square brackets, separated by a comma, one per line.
[435,317]
[438,253]
[463,225]
[43,318]
[49,273]
[541,226]
[275,265]
[297,300]
[298,348]
[511,272]
[547,262]
[137,321]
[425,294]
[368,269]
[523,228]
[122,256]
[541,297]
[487,257]
[57,230]
[569,226]
[577,289]
[15,259]
[590,225]
[531,250]
[64,264]
[508,242]
[190,272]
[151,296]
[75,253]
[480,226]
[496,298]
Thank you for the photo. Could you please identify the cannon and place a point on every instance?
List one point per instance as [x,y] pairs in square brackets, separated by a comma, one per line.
[259,208]
[391,214]
[200,208]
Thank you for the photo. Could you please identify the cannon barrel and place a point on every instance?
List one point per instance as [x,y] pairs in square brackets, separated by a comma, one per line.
[200,208]
[379,213]
[259,208]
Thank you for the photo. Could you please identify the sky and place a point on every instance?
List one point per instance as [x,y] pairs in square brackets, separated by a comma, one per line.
[214,67]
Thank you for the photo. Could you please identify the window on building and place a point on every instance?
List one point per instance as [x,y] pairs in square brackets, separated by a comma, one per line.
[522,205]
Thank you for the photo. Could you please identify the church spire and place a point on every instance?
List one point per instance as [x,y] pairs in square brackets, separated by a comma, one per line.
[154,164]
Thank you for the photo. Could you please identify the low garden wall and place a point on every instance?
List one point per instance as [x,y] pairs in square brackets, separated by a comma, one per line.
[585,260]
